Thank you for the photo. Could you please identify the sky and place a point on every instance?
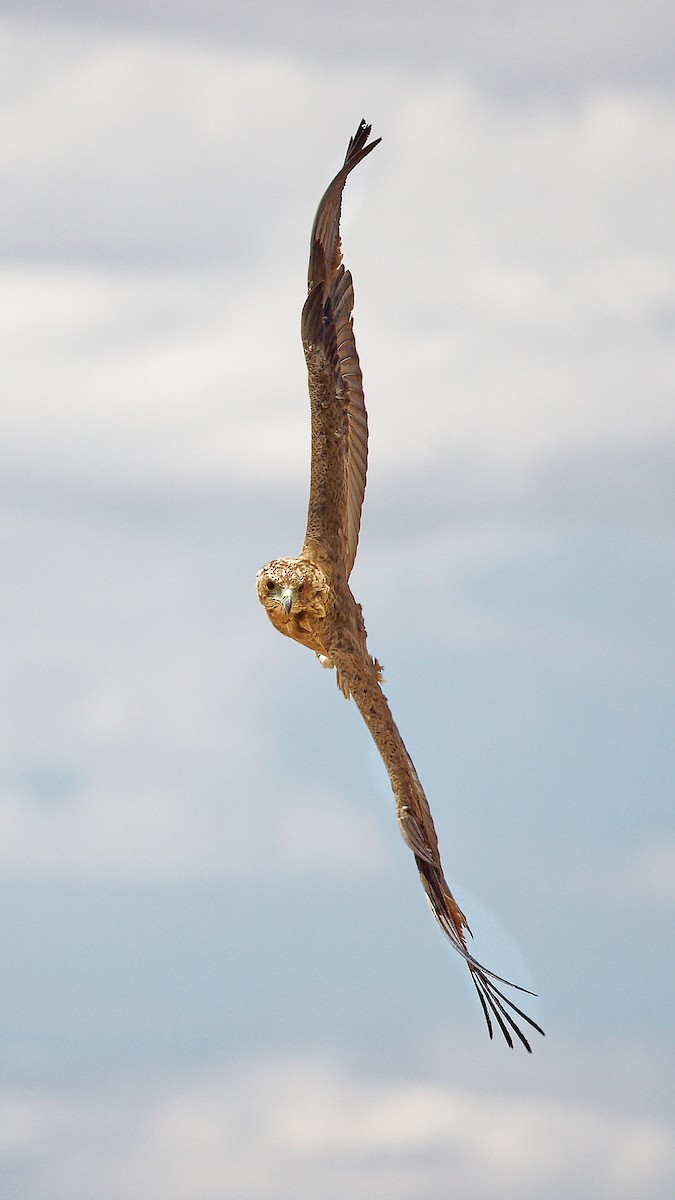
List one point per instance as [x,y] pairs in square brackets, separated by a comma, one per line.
[220,976]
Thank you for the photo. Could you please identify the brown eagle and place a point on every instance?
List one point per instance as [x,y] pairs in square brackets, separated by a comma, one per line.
[308,598]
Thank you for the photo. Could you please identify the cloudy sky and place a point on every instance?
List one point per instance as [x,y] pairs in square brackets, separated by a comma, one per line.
[220,979]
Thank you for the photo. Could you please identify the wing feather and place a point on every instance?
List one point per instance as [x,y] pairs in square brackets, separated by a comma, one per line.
[359,675]
[339,419]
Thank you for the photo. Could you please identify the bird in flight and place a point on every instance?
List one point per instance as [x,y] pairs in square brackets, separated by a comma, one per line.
[308,598]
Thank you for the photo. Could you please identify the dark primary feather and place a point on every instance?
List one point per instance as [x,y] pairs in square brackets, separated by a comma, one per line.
[485,981]
[325,253]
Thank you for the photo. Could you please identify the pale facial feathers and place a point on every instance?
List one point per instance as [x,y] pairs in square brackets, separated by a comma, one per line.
[296,597]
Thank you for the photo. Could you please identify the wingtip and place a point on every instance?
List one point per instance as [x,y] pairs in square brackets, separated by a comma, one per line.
[357,148]
[494,1002]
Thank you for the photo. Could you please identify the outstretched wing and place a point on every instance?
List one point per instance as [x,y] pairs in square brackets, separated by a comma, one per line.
[360,675]
[339,421]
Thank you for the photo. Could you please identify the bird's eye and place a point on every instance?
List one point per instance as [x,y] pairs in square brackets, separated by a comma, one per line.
[270,585]
[299,587]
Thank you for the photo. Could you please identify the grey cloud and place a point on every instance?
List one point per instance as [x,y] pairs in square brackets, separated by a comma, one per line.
[516,50]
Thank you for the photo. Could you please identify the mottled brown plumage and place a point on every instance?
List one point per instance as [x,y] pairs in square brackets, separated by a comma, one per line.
[308,598]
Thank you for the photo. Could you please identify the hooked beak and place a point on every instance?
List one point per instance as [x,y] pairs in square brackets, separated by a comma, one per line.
[287,600]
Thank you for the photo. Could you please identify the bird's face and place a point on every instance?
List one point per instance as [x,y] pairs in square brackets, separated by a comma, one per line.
[293,591]
[279,586]
[283,586]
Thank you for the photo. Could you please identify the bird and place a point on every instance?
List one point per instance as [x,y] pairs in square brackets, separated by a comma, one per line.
[308,598]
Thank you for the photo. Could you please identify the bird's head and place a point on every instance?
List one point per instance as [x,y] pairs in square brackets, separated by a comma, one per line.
[290,589]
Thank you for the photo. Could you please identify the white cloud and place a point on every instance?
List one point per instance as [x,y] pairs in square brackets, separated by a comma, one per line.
[536,287]
[302,1126]
[646,877]
[329,835]
[125,379]
[150,828]
[529,307]
[136,740]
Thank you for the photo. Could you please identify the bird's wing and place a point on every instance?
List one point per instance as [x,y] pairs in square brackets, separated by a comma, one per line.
[339,421]
[359,675]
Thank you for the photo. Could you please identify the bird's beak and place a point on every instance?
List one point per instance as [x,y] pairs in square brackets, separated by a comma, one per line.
[287,600]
